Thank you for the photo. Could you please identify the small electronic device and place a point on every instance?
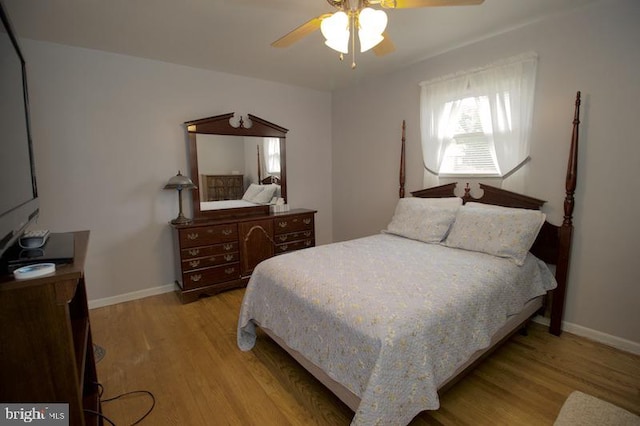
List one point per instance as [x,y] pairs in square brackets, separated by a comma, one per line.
[58,249]
[33,271]
[34,239]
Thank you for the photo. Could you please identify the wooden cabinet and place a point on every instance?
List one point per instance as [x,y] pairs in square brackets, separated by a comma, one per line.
[217,255]
[256,240]
[223,187]
[47,349]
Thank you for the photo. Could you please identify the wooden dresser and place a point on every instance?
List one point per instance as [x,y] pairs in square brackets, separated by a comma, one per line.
[223,187]
[217,255]
[47,353]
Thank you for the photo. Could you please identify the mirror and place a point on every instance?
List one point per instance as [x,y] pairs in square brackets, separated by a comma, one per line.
[227,155]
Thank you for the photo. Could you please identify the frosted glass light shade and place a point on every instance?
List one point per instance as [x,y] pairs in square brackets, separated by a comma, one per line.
[372,24]
[372,20]
[335,30]
[368,41]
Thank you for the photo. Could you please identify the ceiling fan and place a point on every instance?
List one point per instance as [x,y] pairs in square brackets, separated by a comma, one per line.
[360,15]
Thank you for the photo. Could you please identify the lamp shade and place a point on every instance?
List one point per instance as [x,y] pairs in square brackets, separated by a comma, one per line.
[371,25]
[180,182]
[335,30]
[368,40]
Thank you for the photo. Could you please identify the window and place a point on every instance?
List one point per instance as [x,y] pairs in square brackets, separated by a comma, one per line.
[470,151]
[272,154]
[477,123]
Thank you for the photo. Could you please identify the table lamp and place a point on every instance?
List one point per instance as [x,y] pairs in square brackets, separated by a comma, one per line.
[180,182]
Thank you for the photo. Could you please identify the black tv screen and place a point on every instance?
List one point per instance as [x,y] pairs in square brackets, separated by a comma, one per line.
[18,191]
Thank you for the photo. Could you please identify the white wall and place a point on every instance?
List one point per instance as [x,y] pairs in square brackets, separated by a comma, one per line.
[595,50]
[108,134]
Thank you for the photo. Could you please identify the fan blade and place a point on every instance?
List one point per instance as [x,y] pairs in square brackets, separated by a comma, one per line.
[410,4]
[385,47]
[300,32]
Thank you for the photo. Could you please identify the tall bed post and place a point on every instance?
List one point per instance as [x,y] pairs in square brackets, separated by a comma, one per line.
[402,163]
[259,168]
[565,231]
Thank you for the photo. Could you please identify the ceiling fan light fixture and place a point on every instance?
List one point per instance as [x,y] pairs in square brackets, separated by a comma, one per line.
[372,20]
[371,25]
[335,30]
[368,40]
[339,44]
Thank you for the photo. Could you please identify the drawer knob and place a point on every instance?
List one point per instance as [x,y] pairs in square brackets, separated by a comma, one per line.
[195,278]
[282,238]
[192,236]
[307,243]
[284,247]
[282,224]
[194,252]
[227,247]
[227,231]
[229,271]
[228,257]
[194,263]
[307,234]
[307,221]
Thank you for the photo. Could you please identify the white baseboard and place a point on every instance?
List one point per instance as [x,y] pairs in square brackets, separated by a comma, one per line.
[106,301]
[598,336]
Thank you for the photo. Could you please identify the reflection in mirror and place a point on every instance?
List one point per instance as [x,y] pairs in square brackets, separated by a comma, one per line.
[240,167]
[228,165]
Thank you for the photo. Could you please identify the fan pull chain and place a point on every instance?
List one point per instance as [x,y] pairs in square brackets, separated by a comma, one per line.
[353,40]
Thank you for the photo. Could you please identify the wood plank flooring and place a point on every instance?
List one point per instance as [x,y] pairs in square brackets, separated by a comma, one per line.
[186,355]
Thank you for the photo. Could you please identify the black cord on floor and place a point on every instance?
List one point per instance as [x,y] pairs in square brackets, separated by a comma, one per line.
[102,401]
[153,402]
[95,413]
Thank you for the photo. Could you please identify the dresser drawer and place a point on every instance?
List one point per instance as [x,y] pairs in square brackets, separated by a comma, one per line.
[197,252]
[205,262]
[296,245]
[294,236]
[208,276]
[206,235]
[289,224]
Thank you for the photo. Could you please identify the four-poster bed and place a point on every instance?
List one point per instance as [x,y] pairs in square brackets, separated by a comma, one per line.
[386,322]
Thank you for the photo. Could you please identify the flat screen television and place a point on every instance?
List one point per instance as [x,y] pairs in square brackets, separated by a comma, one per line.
[19,205]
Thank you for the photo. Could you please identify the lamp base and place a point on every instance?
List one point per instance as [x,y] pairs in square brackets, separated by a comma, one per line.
[181,220]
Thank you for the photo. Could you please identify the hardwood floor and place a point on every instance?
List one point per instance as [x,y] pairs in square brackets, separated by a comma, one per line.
[186,355]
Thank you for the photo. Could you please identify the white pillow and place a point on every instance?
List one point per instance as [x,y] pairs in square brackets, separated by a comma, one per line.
[424,219]
[265,196]
[276,192]
[499,231]
[252,191]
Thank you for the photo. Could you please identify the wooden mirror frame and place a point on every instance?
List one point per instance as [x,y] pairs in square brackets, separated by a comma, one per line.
[221,125]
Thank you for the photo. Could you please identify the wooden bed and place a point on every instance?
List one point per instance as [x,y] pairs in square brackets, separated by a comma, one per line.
[552,246]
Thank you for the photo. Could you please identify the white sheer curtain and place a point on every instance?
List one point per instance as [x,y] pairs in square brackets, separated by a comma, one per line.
[509,86]
[272,155]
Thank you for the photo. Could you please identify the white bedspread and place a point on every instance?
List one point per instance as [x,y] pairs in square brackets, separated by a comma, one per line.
[387,317]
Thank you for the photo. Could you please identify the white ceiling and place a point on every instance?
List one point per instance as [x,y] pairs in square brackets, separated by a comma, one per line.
[234,36]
